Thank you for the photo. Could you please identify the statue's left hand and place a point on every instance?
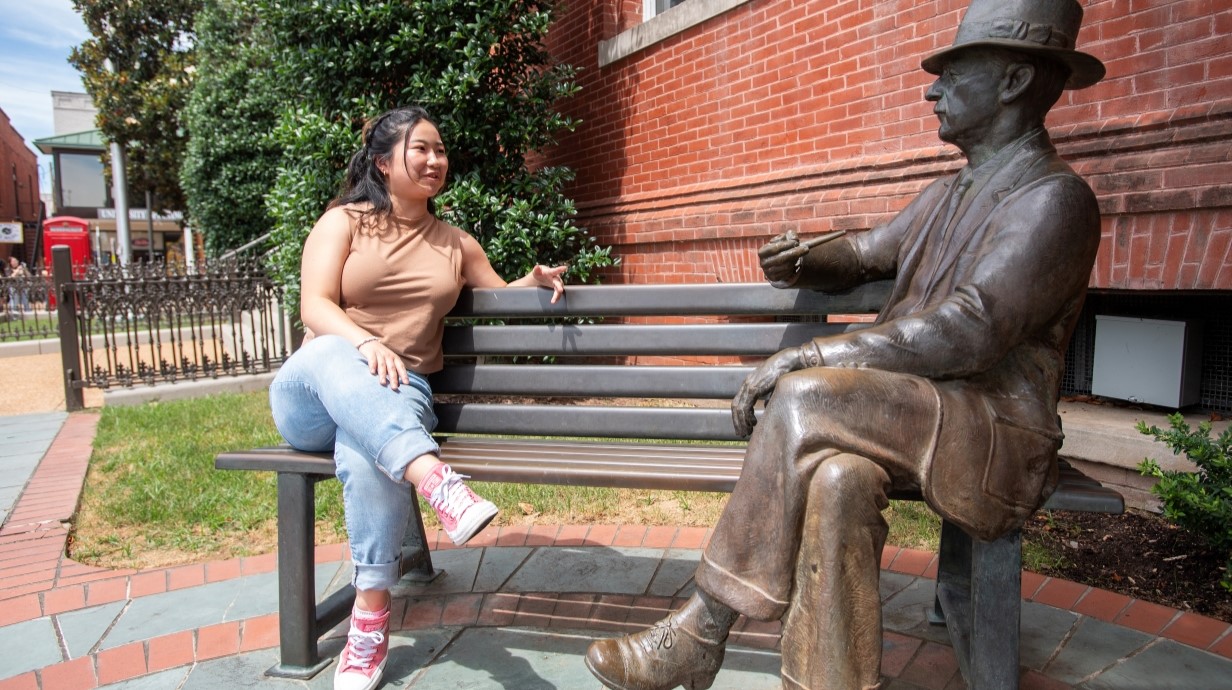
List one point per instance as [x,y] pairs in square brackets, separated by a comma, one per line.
[759,384]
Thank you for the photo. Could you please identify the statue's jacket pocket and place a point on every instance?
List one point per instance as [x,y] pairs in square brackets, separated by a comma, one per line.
[1021,460]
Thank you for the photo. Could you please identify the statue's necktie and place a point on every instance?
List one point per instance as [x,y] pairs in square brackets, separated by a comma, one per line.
[933,261]
[957,190]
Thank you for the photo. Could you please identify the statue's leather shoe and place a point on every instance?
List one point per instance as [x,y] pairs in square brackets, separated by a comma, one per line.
[660,658]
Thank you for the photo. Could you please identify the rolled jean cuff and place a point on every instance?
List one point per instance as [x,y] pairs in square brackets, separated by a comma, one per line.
[399,451]
[379,576]
[737,593]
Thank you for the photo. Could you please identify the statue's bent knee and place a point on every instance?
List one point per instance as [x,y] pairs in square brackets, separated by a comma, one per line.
[847,482]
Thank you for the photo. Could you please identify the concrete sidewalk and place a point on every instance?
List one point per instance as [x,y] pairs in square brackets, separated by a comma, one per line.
[515,609]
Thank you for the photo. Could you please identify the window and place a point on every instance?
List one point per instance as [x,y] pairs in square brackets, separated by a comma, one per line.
[81,181]
[653,8]
[661,19]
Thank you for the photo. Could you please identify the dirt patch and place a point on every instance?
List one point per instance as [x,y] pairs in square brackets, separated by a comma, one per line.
[644,507]
[35,383]
[1137,554]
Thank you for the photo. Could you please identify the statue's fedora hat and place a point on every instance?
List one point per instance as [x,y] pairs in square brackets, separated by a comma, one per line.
[1043,27]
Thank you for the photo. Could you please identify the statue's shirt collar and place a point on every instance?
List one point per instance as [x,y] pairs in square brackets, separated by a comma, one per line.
[990,167]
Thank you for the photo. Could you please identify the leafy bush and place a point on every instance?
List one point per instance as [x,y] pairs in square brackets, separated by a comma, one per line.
[1198,501]
[232,158]
[481,71]
[322,147]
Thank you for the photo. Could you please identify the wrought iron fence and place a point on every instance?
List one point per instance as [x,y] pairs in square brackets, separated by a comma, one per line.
[25,311]
[153,322]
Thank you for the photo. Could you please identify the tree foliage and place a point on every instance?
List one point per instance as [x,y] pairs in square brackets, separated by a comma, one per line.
[481,71]
[138,66]
[232,159]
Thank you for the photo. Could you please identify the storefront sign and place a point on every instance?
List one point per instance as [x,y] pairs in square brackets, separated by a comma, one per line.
[140,214]
[11,233]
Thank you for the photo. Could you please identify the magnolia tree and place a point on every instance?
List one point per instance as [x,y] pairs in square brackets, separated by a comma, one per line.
[480,69]
[138,68]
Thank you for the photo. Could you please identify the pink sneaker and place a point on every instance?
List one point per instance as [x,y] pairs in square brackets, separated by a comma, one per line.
[363,659]
[460,511]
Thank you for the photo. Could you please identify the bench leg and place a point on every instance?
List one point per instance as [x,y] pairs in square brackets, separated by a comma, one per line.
[953,566]
[297,611]
[416,557]
[996,599]
[301,620]
[978,599]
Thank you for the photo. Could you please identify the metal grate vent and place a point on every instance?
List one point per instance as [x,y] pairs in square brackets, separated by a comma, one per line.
[1212,309]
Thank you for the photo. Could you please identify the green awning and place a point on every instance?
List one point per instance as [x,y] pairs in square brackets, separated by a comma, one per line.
[89,140]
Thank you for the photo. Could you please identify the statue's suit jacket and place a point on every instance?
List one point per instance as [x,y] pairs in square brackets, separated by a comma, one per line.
[983,307]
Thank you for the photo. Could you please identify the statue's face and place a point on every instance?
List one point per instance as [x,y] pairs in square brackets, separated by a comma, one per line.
[967,97]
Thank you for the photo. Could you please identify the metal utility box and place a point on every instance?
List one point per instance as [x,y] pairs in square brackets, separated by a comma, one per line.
[1148,360]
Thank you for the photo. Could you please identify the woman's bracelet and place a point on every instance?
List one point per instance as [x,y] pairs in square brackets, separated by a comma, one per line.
[365,341]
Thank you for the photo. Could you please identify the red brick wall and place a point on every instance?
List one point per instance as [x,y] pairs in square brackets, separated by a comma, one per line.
[809,115]
[20,203]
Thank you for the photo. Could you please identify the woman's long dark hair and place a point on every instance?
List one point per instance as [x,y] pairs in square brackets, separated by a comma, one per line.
[364,182]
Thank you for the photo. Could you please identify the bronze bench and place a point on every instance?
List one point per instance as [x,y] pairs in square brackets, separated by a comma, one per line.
[978,590]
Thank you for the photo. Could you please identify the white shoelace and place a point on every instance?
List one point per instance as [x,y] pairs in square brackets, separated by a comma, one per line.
[364,646]
[450,496]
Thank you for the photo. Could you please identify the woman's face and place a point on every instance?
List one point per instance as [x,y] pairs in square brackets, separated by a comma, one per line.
[418,165]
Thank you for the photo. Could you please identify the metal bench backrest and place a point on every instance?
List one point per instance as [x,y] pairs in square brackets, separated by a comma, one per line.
[573,347]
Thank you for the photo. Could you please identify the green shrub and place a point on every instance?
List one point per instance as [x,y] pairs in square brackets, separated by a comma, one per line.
[232,158]
[1198,501]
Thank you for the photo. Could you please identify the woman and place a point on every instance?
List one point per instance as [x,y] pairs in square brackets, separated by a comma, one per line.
[379,273]
[19,290]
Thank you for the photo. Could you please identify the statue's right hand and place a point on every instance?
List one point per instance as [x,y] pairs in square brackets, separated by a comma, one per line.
[758,384]
[780,259]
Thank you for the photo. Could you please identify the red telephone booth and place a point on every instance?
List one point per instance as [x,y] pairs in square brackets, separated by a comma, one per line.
[71,232]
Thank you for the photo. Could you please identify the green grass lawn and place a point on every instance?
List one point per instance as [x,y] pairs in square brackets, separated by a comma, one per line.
[152,496]
[28,326]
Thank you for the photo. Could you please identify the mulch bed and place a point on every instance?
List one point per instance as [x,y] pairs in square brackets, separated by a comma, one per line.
[1137,554]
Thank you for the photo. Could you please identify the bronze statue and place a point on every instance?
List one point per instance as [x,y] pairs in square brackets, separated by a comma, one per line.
[952,391]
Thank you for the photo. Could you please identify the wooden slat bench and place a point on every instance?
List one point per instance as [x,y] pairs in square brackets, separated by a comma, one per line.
[657,443]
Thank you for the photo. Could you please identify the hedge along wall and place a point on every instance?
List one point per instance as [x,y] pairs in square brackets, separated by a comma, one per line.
[810,115]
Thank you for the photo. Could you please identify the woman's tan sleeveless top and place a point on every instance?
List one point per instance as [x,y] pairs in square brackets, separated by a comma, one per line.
[398,283]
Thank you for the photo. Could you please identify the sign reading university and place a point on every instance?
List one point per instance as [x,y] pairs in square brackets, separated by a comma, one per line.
[140,214]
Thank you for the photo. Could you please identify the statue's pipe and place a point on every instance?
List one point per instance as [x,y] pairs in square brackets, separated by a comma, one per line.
[804,247]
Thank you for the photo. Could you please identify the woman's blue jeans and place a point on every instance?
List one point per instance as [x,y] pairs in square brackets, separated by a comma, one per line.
[324,398]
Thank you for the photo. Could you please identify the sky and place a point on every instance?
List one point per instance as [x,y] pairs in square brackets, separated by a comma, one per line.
[36,37]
